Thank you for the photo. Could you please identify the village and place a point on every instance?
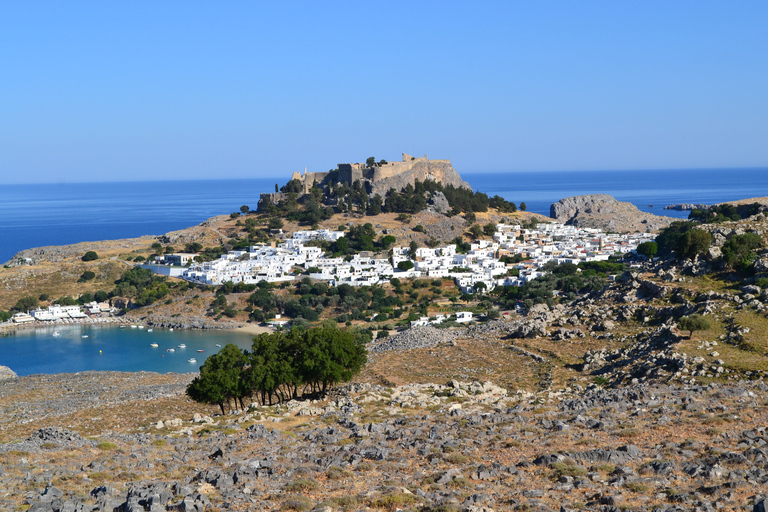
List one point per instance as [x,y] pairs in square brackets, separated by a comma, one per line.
[480,268]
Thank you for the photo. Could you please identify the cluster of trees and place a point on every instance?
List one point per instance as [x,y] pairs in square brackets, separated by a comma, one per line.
[281,366]
[739,251]
[724,213]
[564,278]
[143,286]
[310,299]
[332,196]
[683,239]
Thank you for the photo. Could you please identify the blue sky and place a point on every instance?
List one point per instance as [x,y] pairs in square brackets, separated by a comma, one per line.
[114,91]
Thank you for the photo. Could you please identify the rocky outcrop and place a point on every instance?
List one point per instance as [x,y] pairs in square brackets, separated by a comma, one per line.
[605,212]
[684,207]
[440,171]
[6,373]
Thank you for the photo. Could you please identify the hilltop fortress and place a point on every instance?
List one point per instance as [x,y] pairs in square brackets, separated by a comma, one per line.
[379,177]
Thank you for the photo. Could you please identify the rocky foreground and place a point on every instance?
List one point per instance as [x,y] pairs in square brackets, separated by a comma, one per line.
[456,446]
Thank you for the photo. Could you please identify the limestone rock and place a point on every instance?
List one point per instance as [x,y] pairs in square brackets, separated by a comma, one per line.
[7,373]
[605,212]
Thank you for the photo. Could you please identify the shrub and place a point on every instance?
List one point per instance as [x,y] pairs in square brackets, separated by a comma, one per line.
[90,256]
[86,276]
[301,485]
[336,473]
[394,501]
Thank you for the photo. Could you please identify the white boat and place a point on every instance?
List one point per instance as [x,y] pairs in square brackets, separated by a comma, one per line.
[141,327]
[134,326]
[218,345]
[85,336]
[153,345]
[182,345]
[192,360]
[150,330]
[171,329]
[56,333]
[171,350]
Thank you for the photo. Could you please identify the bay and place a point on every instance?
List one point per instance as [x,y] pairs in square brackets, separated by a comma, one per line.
[110,348]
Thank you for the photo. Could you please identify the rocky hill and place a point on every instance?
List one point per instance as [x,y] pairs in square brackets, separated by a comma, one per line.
[605,212]
[600,403]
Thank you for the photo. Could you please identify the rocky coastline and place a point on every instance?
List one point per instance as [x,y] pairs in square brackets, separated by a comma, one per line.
[686,206]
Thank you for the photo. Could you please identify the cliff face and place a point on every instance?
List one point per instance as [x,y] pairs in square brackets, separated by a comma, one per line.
[440,171]
[605,212]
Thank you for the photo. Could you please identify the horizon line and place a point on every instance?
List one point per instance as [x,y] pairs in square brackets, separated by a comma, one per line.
[172,180]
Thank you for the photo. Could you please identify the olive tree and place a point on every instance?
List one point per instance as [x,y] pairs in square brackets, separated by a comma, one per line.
[693,323]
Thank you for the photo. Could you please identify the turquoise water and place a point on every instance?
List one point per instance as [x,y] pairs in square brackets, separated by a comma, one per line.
[110,348]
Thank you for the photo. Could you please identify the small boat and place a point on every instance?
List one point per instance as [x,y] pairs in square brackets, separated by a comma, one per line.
[182,345]
[201,350]
[134,326]
[150,330]
[56,333]
[122,327]
[171,350]
[84,336]
[191,360]
[171,329]
[218,345]
[153,344]
[141,327]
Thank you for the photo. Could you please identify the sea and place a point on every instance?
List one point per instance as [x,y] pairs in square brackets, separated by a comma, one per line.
[66,213]
[77,348]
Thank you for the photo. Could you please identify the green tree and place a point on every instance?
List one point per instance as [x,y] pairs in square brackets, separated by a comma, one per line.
[693,243]
[476,231]
[523,207]
[648,249]
[25,304]
[4,316]
[221,379]
[86,276]
[244,209]
[693,323]
[405,265]
[370,161]
[412,247]
[275,223]
[489,229]
[328,356]
[739,250]
[90,256]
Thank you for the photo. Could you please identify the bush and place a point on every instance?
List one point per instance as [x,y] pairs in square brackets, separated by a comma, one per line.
[405,265]
[90,256]
[419,228]
[301,485]
[86,276]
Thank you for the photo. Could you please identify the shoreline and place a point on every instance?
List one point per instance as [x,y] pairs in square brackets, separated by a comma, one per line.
[118,320]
